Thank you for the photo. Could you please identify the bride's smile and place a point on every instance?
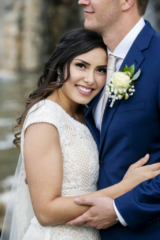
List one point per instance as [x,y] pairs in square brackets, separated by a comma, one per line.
[87,78]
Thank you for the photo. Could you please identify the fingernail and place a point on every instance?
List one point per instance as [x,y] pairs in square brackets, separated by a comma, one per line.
[146,157]
[77,200]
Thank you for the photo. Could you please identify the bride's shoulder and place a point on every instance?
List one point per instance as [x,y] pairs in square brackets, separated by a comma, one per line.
[43,111]
[44,106]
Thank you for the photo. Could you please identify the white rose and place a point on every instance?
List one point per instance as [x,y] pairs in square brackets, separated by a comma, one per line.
[120,81]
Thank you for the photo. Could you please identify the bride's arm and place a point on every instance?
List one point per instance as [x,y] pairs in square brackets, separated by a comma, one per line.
[44,169]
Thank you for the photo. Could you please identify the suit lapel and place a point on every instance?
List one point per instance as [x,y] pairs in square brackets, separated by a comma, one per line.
[90,121]
[136,57]
[107,118]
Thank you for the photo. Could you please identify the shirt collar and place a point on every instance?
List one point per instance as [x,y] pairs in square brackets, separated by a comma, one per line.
[124,46]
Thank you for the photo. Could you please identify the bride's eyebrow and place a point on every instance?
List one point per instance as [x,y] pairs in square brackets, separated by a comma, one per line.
[84,62]
[90,64]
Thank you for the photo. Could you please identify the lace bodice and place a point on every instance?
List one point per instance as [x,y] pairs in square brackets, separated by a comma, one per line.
[80,167]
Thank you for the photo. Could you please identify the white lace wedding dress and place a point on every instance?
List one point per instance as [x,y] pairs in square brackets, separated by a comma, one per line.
[80,172]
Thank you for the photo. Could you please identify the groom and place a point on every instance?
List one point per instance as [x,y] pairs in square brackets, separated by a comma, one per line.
[131,128]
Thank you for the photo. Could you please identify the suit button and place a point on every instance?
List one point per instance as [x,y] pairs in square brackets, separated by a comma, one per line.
[100,163]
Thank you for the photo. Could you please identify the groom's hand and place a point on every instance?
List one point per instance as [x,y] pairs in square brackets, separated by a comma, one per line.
[100,215]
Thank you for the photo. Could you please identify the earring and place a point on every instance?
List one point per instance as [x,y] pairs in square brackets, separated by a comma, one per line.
[58,78]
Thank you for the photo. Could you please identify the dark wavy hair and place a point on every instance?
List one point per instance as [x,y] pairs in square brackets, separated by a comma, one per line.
[72,44]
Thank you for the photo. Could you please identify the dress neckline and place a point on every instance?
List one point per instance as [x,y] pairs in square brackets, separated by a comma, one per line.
[73,119]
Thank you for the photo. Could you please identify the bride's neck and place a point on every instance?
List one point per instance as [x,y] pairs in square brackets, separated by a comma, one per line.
[67,104]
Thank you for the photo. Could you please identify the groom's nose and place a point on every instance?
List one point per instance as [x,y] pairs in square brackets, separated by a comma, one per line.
[84,2]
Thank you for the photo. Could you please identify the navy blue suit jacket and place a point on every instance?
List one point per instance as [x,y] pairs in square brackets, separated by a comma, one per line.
[130,130]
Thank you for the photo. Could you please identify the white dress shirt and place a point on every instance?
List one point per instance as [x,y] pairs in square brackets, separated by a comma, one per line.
[121,51]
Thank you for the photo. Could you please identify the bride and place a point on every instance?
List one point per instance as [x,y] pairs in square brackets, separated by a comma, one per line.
[59,157]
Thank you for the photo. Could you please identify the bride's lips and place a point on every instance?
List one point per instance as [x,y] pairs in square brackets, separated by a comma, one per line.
[83,92]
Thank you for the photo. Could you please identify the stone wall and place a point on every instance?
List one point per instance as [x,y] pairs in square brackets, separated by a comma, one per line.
[31,28]
[10,39]
[31,35]
[153,14]
[2,212]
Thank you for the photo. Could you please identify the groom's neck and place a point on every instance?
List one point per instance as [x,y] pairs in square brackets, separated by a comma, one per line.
[113,36]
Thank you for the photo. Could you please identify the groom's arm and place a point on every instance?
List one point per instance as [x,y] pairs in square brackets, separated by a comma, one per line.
[141,206]
[101,213]
[119,216]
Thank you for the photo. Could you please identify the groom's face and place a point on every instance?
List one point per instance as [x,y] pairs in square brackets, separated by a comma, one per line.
[100,15]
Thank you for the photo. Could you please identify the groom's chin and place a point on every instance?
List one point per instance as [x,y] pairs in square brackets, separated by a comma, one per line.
[90,26]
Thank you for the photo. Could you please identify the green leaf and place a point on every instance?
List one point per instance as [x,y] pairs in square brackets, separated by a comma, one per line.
[131,69]
[126,68]
[135,83]
[122,70]
[136,76]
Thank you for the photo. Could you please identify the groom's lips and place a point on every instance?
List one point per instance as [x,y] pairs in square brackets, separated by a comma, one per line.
[87,13]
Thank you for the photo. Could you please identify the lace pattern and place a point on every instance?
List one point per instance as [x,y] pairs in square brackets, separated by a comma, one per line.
[60,232]
[80,171]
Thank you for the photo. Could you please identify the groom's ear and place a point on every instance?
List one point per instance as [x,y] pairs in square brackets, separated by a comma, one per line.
[128,4]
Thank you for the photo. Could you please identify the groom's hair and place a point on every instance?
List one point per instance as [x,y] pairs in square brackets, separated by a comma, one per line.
[142,6]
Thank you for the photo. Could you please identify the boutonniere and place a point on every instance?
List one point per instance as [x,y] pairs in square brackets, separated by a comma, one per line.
[122,84]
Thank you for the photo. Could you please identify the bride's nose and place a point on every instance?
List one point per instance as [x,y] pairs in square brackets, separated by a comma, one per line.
[89,78]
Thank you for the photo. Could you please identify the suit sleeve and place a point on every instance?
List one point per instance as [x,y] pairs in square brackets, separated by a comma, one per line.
[141,206]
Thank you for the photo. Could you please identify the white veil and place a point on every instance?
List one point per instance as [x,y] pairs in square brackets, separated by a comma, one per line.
[19,209]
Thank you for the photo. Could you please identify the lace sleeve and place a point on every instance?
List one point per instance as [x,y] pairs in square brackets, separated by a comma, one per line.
[23,211]
[42,112]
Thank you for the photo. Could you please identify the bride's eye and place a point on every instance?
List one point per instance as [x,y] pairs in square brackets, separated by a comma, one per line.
[80,65]
[102,70]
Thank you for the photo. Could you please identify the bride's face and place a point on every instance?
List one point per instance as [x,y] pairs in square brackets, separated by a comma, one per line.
[87,76]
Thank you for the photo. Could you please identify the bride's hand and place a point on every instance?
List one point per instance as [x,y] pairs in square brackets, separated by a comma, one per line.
[138,173]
